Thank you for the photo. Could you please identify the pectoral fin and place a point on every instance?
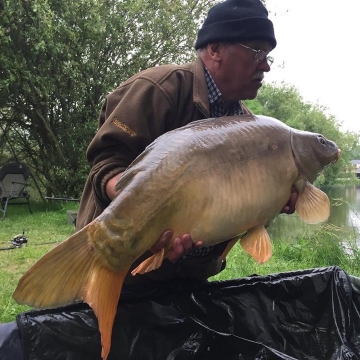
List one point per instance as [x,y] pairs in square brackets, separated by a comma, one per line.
[313,205]
[257,243]
[151,263]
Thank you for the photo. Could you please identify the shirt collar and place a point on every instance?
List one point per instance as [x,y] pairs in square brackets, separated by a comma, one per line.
[213,91]
[216,102]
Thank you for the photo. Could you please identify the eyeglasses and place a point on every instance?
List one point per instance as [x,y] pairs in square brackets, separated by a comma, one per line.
[260,55]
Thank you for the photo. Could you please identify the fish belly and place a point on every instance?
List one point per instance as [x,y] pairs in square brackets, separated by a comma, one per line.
[224,201]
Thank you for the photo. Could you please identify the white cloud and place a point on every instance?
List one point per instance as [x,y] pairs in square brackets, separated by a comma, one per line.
[318,44]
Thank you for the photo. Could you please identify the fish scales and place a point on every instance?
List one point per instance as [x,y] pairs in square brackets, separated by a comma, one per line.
[228,172]
[214,179]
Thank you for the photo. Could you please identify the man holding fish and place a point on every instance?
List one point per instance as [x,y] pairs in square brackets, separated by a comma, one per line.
[233,46]
[233,49]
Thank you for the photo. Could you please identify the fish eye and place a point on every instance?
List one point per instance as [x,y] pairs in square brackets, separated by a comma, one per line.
[322,140]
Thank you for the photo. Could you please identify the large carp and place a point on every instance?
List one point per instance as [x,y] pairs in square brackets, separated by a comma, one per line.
[213,179]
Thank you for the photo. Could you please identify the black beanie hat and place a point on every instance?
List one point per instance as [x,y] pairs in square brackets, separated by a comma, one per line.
[235,21]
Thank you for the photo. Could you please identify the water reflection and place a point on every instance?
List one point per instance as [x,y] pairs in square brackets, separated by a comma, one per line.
[344,215]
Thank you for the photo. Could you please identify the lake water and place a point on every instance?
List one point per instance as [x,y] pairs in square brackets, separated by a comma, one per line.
[344,217]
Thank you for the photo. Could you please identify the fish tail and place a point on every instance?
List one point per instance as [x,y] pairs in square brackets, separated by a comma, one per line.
[102,293]
[58,277]
[71,272]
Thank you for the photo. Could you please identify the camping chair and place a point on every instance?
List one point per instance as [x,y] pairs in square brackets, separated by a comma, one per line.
[13,183]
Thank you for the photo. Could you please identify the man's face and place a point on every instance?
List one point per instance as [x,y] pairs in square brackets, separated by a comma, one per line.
[239,74]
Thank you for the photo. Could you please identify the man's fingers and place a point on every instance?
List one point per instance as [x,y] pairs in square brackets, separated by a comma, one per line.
[187,243]
[163,240]
[198,244]
[177,251]
[292,202]
[289,208]
[182,246]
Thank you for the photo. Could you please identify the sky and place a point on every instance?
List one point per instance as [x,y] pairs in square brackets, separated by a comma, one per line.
[318,52]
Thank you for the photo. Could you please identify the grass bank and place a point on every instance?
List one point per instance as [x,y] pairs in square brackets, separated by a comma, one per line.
[44,229]
[48,226]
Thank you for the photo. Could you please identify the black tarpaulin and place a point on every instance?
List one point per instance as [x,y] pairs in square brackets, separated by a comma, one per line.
[311,314]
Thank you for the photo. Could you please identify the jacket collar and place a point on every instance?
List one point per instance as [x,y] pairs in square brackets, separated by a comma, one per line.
[200,90]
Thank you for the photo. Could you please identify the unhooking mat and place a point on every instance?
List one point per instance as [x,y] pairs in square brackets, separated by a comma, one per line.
[310,314]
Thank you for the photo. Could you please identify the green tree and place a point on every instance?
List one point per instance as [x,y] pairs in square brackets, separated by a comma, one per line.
[355,153]
[58,60]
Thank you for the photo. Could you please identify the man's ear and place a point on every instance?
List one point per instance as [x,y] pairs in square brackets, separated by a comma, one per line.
[215,51]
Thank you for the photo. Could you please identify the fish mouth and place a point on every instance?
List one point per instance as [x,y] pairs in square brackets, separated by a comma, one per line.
[337,156]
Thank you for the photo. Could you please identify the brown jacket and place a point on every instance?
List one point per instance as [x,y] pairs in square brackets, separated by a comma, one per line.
[142,108]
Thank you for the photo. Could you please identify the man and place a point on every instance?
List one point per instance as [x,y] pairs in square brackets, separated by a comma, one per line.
[233,46]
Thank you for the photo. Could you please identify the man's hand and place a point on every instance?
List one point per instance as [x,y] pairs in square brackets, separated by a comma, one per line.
[289,208]
[110,186]
[181,245]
